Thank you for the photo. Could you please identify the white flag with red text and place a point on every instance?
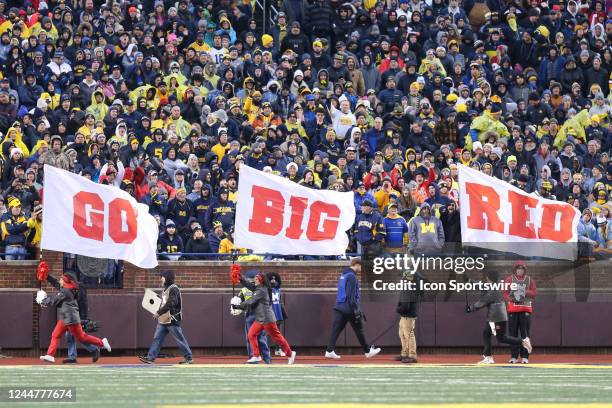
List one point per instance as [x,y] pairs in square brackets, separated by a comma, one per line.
[497,215]
[85,218]
[277,216]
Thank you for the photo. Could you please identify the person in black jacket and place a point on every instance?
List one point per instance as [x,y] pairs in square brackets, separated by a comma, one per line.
[319,20]
[169,318]
[295,40]
[197,244]
[451,223]
[408,309]
[537,111]
[68,312]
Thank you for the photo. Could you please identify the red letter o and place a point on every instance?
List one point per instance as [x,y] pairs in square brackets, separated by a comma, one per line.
[122,224]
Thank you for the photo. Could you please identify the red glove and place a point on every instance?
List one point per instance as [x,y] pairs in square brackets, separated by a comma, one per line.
[42,271]
[235,274]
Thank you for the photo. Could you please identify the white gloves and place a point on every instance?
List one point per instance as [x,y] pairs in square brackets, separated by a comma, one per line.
[235,301]
[40,296]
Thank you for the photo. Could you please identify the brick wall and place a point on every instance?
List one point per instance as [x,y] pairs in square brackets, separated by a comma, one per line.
[192,274]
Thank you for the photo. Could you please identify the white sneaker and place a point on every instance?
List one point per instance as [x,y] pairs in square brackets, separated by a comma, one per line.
[525,361]
[47,358]
[292,358]
[373,351]
[253,360]
[280,353]
[527,345]
[487,360]
[513,361]
[106,344]
[332,354]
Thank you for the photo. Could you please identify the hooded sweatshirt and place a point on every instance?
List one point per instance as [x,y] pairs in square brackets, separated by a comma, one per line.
[99,110]
[202,204]
[18,142]
[425,233]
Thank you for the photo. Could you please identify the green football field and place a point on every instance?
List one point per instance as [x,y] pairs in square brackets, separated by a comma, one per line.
[139,385]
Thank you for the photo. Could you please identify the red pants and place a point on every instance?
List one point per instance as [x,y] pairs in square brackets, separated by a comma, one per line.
[77,332]
[275,334]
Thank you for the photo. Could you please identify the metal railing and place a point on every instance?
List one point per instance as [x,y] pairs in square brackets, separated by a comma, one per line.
[266,10]
[267,256]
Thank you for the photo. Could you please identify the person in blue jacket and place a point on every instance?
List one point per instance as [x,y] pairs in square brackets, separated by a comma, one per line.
[277,305]
[361,194]
[348,310]
[396,231]
[369,229]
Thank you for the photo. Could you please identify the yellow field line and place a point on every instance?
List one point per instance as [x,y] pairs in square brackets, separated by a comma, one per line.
[407,366]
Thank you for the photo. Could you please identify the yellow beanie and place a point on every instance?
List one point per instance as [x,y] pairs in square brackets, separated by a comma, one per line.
[266,40]
[451,98]
[14,202]
[543,30]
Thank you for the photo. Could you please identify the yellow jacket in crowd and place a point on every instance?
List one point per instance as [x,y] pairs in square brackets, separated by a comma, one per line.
[483,124]
[98,109]
[14,135]
[226,246]
[36,227]
[575,127]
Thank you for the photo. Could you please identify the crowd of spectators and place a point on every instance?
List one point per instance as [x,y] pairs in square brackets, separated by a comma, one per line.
[167,100]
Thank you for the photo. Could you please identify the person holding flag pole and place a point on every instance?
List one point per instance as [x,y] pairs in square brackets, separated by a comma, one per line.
[260,304]
[249,317]
[42,274]
[66,303]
